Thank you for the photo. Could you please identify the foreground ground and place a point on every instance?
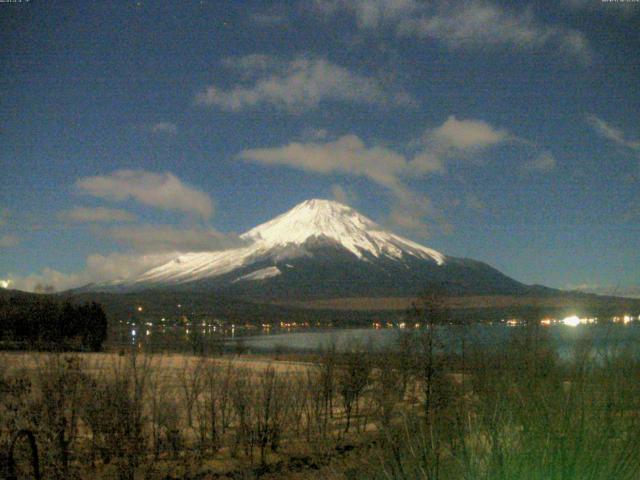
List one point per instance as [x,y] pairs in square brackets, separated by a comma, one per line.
[406,412]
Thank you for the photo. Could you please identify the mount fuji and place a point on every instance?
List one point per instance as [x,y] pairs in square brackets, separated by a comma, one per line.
[321,249]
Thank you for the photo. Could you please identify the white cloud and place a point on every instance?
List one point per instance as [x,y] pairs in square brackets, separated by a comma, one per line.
[164,127]
[459,139]
[163,238]
[8,240]
[455,138]
[369,13]
[350,155]
[347,154]
[160,190]
[477,24]
[544,162]
[466,134]
[48,281]
[473,24]
[409,210]
[428,161]
[613,134]
[385,166]
[99,214]
[342,195]
[300,84]
[155,246]
[98,268]
[119,266]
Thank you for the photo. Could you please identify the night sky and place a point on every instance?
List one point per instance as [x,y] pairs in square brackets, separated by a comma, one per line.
[489,130]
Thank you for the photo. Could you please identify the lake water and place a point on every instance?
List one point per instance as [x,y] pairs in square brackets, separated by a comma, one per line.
[604,337]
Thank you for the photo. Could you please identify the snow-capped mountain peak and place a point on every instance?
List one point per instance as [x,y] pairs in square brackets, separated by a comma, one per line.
[317,218]
[288,235]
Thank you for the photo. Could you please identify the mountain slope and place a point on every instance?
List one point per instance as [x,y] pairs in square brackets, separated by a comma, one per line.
[322,249]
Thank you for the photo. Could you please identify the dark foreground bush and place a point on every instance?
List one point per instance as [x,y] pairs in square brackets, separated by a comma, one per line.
[30,323]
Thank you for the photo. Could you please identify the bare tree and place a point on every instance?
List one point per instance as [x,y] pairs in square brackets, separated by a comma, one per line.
[404,357]
[225,404]
[315,412]
[272,398]
[164,412]
[298,394]
[389,385]
[57,407]
[328,359]
[115,414]
[352,378]
[430,309]
[191,383]
[213,396]
[241,393]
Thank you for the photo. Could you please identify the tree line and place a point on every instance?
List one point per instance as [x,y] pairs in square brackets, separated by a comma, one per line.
[41,323]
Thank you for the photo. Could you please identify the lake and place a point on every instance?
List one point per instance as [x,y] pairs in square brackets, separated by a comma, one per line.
[605,337]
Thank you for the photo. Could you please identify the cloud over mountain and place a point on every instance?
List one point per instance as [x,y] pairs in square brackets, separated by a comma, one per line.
[302,83]
[613,134]
[386,166]
[98,214]
[474,25]
[98,268]
[163,238]
[160,190]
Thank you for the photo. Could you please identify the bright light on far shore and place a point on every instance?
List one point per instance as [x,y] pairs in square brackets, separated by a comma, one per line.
[572,321]
[5,283]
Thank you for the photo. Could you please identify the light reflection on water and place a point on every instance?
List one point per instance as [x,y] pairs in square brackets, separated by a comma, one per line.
[603,338]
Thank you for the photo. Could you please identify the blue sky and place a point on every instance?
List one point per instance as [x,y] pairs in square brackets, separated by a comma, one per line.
[504,133]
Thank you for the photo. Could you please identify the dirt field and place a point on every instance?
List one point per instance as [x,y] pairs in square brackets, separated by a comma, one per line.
[168,362]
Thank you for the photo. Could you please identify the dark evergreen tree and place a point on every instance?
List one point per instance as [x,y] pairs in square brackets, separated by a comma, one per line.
[38,322]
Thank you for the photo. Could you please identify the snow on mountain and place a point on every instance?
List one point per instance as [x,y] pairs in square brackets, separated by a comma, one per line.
[333,220]
[259,274]
[286,236]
